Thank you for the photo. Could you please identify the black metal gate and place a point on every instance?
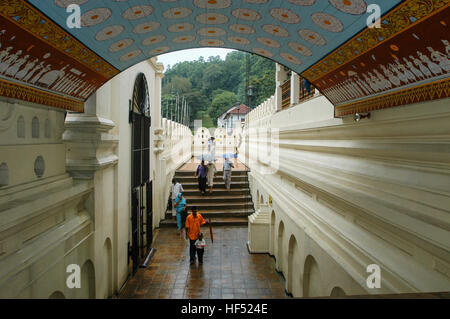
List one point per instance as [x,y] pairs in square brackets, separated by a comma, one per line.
[141,186]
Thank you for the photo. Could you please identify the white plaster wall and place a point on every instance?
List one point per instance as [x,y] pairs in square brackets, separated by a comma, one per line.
[45,222]
[354,194]
[50,222]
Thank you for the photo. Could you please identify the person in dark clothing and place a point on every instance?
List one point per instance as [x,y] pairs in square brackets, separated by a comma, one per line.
[201,175]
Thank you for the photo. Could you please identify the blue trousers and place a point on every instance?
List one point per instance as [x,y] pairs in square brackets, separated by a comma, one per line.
[179,219]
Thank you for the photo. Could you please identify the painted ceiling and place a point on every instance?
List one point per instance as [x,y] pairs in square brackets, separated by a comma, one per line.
[318,39]
[276,29]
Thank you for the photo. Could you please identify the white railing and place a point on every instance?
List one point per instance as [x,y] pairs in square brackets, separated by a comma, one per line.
[226,141]
[267,108]
[177,141]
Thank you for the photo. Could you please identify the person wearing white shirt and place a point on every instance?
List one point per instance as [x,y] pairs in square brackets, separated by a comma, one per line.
[200,244]
[176,189]
[227,166]
[212,149]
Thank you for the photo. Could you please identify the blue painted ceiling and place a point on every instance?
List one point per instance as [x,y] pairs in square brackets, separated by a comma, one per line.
[295,33]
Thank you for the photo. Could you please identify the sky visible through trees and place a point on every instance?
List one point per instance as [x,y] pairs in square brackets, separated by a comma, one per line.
[210,87]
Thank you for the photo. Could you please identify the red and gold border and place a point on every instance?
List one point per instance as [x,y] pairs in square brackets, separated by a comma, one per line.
[30,94]
[393,23]
[45,29]
[427,92]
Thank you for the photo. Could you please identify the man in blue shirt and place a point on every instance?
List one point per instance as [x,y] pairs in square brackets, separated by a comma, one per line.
[201,175]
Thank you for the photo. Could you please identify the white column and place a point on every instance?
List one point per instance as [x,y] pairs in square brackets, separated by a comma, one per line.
[159,74]
[90,145]
[295,88]
[280,78]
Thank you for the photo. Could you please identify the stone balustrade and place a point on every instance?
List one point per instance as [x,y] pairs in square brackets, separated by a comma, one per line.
[265,109]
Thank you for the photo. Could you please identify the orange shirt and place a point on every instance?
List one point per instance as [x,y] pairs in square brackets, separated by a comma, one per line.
[193,225]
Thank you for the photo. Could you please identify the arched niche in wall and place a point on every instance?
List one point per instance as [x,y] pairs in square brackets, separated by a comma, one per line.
[272,234]
[108,268]
[20,127]
[87,290]
[312,281]
[35,127]
[57,295]
[279,253]
[4,174]
[338,292]
[293,280]
[257,200]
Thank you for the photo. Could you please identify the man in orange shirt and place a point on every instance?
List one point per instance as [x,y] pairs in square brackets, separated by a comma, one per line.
[193,223]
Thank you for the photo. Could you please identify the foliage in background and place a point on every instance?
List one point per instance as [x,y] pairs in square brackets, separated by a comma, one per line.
[212,86]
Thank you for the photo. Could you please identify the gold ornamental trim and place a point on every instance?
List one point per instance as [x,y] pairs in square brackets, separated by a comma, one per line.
[33,95]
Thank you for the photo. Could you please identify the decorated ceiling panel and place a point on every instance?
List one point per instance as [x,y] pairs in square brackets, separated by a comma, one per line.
[326,41]
[124,32]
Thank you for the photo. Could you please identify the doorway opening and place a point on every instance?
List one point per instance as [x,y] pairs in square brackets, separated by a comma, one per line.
[141,184]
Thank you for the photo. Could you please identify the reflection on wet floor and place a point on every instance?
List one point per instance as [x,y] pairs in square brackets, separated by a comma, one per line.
[228,270]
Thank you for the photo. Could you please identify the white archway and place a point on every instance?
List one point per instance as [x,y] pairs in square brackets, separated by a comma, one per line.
[279,253]
[109,268]
[312,281]
[87,290]
[272,234]
[293,278]
[57,295]
[338,292]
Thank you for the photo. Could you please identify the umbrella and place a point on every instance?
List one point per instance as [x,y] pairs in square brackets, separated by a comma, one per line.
[229,155]
[210,230]
[206,158]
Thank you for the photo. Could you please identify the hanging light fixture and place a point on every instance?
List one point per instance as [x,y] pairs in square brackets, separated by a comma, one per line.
[358,117]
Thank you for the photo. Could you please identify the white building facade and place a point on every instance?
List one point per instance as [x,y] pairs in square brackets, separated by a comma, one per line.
[233,118]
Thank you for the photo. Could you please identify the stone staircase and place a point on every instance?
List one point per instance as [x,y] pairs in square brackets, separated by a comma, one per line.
[222,207]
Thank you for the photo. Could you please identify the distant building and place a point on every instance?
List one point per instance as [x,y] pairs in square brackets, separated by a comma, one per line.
[234,115]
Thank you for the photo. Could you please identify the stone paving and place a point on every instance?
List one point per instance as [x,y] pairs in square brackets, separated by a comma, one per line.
[228,271]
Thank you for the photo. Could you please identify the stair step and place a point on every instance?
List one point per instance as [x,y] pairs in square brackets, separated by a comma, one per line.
[236,221]
[222,213]
[217,179]
[217,173]
[218,192]
[202,206]
[224,207]
[220,185]
[217,199]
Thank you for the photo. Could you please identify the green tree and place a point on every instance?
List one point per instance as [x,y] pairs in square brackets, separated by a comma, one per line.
[221,103]
[177,84]
[206,119]
[213,78]
[209,80]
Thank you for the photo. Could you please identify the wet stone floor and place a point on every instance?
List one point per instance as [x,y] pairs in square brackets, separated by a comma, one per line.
[228,271]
